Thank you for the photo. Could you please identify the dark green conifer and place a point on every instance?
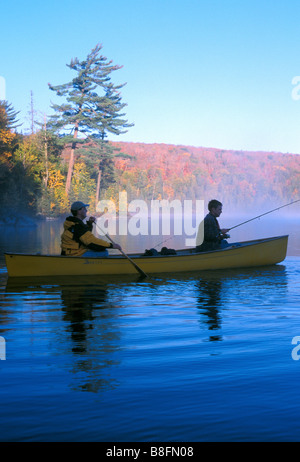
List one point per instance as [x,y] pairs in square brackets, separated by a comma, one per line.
[93,107]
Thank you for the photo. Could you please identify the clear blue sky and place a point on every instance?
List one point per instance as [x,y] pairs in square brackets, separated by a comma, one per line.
[214,73]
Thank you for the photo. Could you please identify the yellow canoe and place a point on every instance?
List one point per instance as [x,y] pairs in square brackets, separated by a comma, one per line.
[248,254]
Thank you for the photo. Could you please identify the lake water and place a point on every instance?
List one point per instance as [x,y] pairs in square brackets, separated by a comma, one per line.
[175,358]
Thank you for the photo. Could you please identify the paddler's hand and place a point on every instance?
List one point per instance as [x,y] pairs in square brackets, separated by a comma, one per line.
[116,246]
[224,230]
[91,220]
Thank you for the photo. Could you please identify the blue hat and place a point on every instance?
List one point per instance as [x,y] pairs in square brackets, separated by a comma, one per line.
[78,205]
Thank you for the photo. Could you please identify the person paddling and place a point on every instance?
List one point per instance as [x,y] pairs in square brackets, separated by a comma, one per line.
[214,236]
[77,239]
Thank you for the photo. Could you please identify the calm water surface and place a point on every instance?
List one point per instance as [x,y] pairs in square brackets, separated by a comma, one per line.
[199,357]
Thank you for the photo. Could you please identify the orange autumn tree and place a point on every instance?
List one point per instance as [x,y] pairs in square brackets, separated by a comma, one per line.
[7,137]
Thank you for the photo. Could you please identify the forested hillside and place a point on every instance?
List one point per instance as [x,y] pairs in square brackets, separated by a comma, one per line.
[34,168]
[185,172]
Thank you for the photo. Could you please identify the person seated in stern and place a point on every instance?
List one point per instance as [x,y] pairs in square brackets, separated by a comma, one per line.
[214,236]
[77,239]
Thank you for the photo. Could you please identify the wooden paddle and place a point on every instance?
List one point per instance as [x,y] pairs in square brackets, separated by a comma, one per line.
[125,255]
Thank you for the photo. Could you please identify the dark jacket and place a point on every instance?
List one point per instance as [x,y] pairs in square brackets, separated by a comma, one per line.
[212,237]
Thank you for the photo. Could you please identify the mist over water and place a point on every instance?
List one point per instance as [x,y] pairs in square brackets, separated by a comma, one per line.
[44,236]
[267,226]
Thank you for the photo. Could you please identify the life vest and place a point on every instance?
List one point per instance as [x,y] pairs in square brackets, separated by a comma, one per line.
[77,238]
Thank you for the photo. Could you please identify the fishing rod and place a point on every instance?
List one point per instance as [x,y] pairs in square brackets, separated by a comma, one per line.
[266,213]
[162,242]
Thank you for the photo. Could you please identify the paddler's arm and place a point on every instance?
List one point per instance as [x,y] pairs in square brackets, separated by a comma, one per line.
[224,232]
[92,242]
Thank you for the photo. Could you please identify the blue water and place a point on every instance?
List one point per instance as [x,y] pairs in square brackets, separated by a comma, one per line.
[199,357]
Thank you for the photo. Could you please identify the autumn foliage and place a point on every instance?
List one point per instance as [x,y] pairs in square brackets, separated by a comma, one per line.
[158,171]
[33,173]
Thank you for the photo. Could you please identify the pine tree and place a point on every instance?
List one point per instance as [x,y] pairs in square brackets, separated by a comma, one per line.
[99,156]
[8,116]
[93,106]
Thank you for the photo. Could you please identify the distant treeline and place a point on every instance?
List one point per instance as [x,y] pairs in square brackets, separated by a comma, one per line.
[239,178]
[33,173]
[155,171]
